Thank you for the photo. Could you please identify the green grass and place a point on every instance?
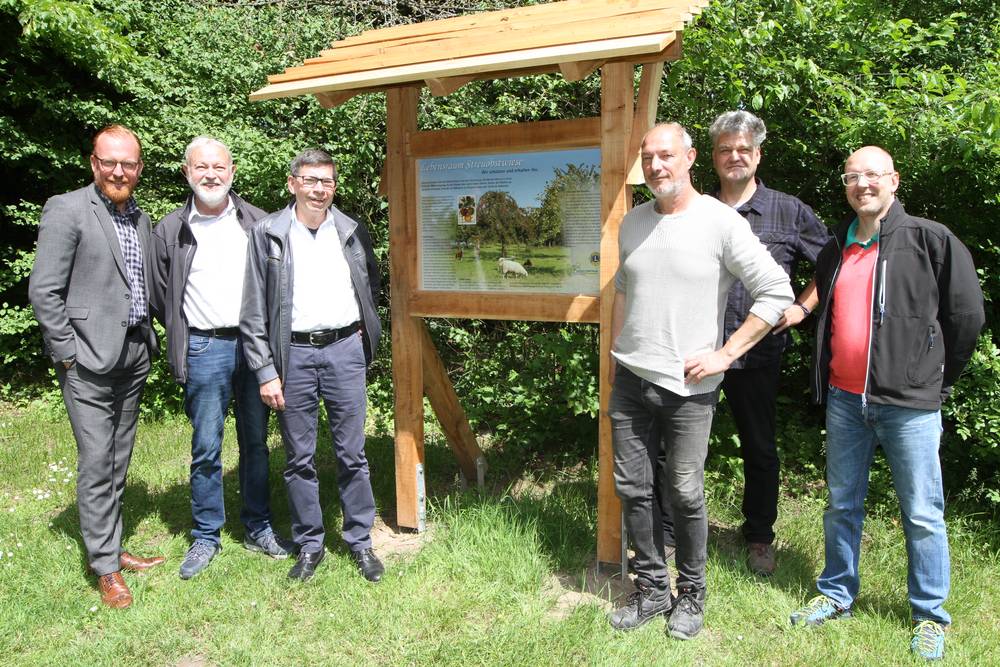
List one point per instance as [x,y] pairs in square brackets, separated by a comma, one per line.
[479,592]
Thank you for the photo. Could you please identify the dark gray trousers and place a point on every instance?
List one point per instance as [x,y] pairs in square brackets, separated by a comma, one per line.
[644,419]
[103,411]
[335,373]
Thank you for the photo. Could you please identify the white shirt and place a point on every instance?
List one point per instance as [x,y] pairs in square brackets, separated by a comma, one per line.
[214,290]
[322,292]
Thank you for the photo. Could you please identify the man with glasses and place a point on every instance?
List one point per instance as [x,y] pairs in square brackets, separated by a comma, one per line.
[792,233]
[88,288]
[900,312]
[311,328]
[199,262]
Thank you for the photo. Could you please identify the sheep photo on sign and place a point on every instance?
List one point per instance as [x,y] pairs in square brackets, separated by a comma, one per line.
[526,222]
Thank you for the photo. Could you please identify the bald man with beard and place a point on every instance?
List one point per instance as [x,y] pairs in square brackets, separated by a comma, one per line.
[900,311]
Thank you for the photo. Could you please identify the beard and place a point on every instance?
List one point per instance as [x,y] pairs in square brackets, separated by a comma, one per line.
[210,198]
[668,189]
[118,193]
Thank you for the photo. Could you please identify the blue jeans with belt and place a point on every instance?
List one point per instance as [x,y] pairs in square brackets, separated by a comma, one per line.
[910,440]
[217,371]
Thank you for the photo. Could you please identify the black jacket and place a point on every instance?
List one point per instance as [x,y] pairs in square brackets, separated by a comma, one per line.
[266,315]
[174,246]
[927,311]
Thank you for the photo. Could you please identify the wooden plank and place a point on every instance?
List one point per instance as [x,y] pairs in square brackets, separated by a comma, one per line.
[441,86]
[451,416]
[579,70]
[542,14]
[616,197]
[643,47]
[507,306]
[333,99]
[540,135]
[644,118]
[407,365]
[491,42]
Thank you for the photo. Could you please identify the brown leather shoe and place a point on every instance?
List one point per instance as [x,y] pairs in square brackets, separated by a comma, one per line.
[138,563]
[761,558]
[114,592]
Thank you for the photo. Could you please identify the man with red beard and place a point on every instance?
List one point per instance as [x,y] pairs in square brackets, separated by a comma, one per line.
[199,258]
[89,291]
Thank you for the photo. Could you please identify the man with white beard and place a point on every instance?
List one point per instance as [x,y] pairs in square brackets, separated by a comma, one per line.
[199,258]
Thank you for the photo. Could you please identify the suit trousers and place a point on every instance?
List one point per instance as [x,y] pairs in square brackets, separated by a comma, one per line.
[335,373]
[103,410]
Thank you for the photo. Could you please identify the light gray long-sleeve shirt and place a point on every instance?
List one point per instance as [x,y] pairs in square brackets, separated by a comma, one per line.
[675,273]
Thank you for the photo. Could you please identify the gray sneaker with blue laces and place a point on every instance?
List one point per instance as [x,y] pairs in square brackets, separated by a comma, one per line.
[269,544]
[198,557]
[817,611]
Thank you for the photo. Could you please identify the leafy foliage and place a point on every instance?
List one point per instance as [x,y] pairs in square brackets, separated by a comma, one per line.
[919,78]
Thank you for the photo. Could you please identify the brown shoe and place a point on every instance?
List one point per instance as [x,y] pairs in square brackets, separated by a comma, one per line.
[114,592]
[138,563]
[761,557]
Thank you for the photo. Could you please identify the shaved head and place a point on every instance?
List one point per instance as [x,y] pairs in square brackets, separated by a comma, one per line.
[872,155]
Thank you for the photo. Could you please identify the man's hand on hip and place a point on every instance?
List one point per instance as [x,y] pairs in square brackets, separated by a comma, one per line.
[705,365]
[271,394]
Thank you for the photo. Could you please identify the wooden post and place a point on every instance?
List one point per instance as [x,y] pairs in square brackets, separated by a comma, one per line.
[407,365]
[616,198]
[445,403]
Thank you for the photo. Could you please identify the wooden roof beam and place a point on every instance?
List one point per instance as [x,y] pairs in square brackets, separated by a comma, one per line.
[335,98]
[640,48]
[579,70]
[441,86]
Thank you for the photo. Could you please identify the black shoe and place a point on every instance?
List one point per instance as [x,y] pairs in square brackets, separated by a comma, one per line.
[305,565]
[688,614]
[640,608]
[368,563]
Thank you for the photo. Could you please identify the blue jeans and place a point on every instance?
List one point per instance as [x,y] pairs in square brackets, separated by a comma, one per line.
[647,420]
[910,440]
[216,372]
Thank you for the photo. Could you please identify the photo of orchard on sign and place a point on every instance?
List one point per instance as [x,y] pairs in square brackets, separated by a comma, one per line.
[575,39]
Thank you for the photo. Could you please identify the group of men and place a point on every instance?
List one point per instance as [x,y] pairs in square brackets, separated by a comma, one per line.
[243,322]
[702,281]
[278,311]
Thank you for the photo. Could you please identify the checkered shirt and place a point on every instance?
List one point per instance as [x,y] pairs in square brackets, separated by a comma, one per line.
[128,238]
[791,232]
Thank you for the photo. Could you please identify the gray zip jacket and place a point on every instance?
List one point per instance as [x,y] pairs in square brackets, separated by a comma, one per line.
[266,315]
[174,246]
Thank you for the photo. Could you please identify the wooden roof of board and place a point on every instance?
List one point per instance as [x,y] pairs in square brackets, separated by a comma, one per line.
[573,37]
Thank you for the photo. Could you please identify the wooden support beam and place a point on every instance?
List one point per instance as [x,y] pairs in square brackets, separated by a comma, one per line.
[579,70]
[407,364]
[616,198]
[546,134]
[644,118]
[441,86]
[335,98]
[498,306]
[451,416]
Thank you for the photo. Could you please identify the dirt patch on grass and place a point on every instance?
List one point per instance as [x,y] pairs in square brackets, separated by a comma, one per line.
[389,540]
[599,584]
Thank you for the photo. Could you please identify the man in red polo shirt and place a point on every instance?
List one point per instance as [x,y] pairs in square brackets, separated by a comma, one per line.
[900,312]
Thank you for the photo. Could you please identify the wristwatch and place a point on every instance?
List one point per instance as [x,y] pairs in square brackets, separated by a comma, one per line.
[804,309]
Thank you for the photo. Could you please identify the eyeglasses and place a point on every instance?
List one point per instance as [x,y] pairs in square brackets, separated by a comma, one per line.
[311,181]
[128,166]
[854,177]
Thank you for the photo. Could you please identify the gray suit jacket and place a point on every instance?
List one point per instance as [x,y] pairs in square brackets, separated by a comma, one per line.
[78,286]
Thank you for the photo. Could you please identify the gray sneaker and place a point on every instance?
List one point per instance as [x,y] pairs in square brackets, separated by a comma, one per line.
[269,544]
[689,613]
[198,557]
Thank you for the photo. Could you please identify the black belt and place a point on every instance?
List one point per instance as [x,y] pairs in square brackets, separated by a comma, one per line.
[324,336]
[222,332]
